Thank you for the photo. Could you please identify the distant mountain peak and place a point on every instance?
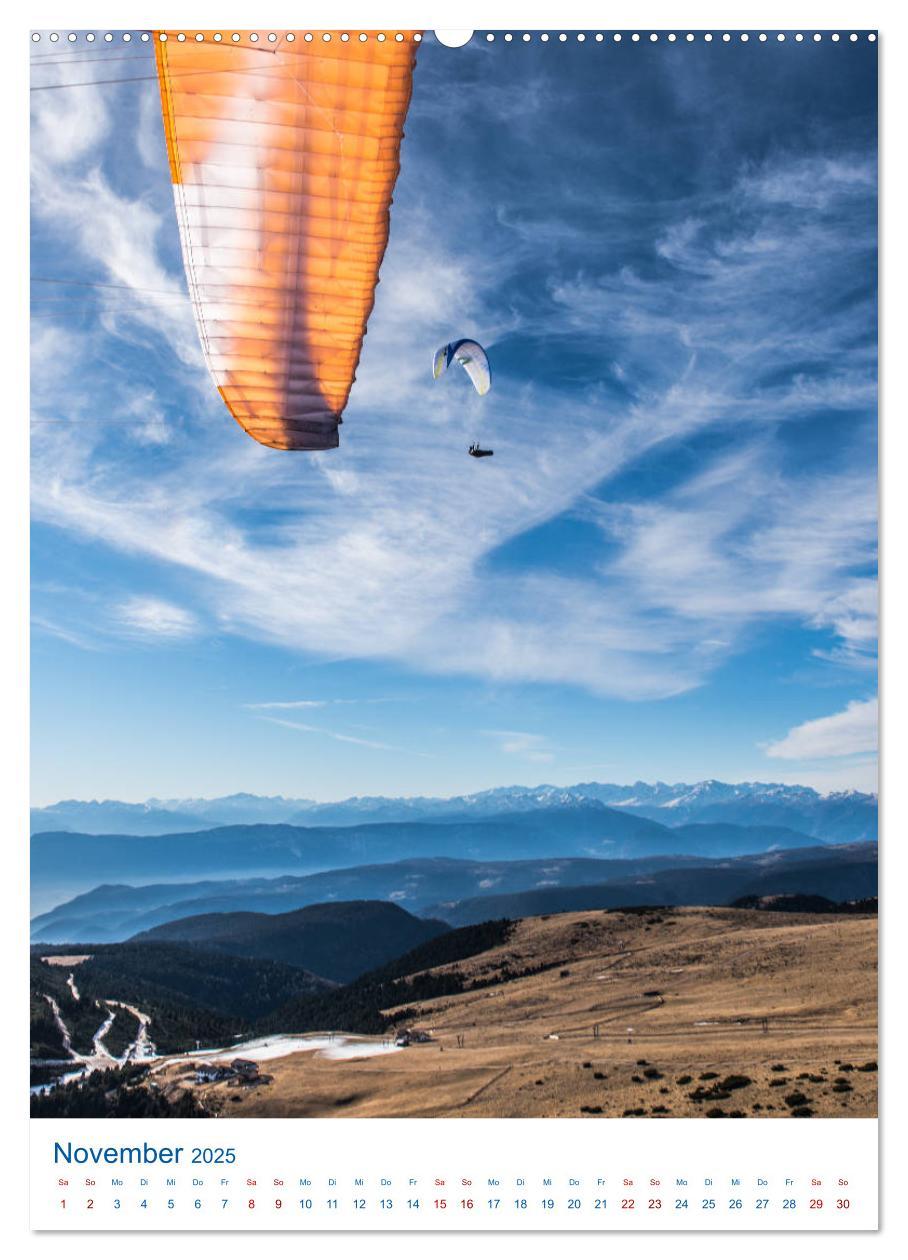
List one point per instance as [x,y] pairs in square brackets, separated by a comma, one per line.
[840,815]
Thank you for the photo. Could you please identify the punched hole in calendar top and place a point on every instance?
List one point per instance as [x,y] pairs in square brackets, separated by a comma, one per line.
[453,39]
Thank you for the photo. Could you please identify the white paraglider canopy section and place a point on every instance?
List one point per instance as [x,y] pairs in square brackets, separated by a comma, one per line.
[472,358]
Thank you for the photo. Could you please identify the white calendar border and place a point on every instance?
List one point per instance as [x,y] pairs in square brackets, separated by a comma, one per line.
[13,472]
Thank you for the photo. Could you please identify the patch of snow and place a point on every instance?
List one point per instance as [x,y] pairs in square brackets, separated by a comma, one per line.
[278,1047]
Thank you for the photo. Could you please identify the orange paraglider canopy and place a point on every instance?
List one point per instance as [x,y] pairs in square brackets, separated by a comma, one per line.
[283,156]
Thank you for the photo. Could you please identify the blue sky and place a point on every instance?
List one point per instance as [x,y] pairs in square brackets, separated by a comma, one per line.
[666,571]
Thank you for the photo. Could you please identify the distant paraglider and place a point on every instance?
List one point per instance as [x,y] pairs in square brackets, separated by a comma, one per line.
[472,358]
[475,362]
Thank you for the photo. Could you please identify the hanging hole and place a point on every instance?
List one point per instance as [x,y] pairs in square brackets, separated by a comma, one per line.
[453,39]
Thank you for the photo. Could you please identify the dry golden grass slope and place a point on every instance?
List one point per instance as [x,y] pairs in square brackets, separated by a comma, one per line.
[650,1013]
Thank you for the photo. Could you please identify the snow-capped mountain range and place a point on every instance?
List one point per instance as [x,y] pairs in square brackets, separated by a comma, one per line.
[834,817]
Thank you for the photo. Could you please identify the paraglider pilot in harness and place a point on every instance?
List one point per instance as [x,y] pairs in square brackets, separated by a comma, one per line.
[475,362]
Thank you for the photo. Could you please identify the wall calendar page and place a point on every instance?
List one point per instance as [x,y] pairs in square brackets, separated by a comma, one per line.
[454,615]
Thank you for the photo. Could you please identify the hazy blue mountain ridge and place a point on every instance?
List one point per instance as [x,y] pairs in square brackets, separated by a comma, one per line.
[835,816]
[65,863]
[846,873]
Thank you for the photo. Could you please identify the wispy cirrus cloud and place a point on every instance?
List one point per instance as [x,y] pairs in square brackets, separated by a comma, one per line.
[156,619]
[732,320]
[339,736]
[737,543]
[317,704]
[287,704]
[66,634]
[67,126]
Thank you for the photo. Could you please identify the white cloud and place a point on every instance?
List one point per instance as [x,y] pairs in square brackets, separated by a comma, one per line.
[381,548]
[738,542]
[853,615]
[116,232]
[66,125]
[156,619]
[522,744]
[809,183]
[146,421]
[845,734]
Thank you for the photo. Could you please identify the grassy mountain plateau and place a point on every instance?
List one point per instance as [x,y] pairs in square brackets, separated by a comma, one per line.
[518,953]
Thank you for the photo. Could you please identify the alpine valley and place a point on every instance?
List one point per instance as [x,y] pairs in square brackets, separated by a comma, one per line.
[285,929]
